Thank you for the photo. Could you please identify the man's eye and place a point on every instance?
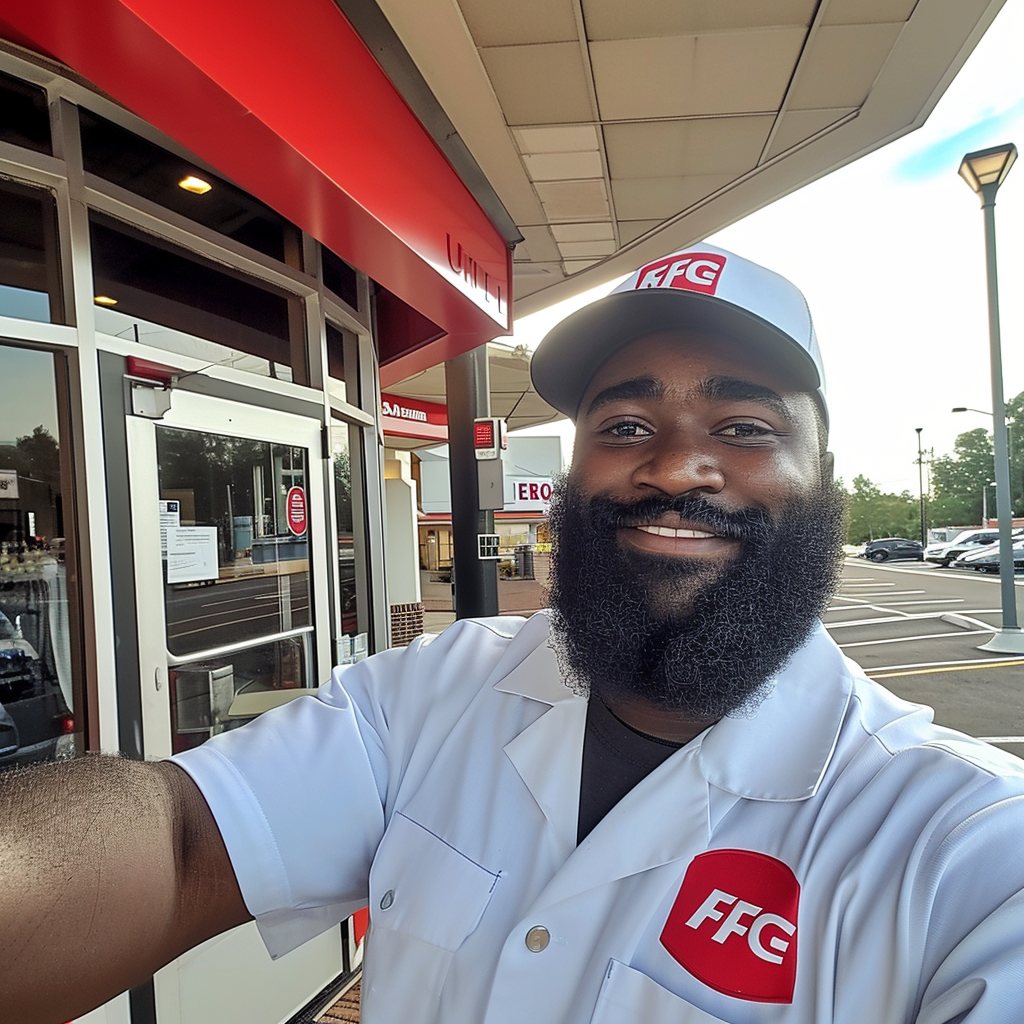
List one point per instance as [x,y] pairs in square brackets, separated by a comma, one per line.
[745,430]
[628,430]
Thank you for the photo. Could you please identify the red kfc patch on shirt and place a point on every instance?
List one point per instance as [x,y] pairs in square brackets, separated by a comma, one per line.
[733,924]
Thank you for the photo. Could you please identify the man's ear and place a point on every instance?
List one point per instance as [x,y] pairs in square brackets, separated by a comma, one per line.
[828,466]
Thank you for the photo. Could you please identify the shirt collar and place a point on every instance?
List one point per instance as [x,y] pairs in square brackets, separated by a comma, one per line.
[779,752]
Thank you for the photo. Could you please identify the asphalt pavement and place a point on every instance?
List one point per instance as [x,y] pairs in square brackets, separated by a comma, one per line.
[917,629]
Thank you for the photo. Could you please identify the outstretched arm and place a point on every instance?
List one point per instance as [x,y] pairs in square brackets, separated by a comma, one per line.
[108,870]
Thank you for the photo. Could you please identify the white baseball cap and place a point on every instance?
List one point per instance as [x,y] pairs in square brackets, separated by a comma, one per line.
[701,288]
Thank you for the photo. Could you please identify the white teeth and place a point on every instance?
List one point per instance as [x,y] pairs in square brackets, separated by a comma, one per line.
[664,531]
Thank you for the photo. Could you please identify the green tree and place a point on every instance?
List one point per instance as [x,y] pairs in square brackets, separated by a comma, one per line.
[874,513]
[36,455]
[958,479]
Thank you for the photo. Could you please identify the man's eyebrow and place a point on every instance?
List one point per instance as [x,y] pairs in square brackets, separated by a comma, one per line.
[634,388]
[718,389]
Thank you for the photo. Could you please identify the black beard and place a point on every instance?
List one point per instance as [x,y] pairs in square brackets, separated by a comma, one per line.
[682,635]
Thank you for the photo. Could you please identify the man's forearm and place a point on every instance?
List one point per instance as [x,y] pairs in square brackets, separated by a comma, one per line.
[101,882]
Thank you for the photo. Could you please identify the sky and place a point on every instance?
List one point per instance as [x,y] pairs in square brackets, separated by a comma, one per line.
[890,254]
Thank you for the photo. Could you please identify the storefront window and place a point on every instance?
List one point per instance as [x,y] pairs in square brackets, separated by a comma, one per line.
[29,269]
[24,115]
[235,539]
[118,155]
[157,294]
[340,278]
[38,696]
[336,369]
[341,458]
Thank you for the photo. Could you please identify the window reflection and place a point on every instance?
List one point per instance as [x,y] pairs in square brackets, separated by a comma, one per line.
[234,534]
[37,693]
[342,462]
[29,271]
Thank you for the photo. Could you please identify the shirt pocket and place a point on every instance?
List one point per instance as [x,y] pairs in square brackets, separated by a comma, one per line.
[426,899]
[628,995]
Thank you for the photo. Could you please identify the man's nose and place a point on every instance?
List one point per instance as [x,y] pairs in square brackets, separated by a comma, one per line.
[678,468]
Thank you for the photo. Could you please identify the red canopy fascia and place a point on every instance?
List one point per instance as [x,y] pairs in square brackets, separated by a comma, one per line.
[287,101]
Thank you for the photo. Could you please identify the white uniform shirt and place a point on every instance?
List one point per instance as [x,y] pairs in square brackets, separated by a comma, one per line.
[834,857]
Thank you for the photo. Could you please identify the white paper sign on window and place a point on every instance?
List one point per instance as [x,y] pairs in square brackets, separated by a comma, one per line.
[191,554]
[8,483]
[170,518]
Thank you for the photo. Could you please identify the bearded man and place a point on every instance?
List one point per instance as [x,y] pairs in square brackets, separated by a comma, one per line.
[671,799]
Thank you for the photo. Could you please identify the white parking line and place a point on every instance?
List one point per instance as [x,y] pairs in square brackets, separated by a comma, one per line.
[868,583]
[943,600]
[930,572]
[937,664]
[1002,739]
[905,639]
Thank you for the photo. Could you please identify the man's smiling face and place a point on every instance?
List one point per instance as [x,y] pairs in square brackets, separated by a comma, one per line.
[697,536]
[687,413]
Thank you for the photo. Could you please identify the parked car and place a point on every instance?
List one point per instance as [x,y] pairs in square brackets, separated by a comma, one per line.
[986,559]
[970,540]
[35,721]
[888,548]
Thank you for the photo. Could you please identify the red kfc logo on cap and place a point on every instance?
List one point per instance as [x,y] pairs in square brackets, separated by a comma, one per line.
[694,272]
[733,924]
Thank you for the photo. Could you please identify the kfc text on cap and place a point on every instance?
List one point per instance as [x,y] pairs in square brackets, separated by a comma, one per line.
[703,288]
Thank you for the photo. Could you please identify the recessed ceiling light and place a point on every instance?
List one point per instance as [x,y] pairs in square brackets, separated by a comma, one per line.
[196,185]
[104,300]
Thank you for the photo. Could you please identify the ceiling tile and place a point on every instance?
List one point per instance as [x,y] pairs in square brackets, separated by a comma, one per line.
[525,21]
[719,73]
[560,166]
[644,198]
[798,125]
[864,12]
[598,232]
[542,84]
[612,19]
[527,280]
[575,266]
[574,200]
[574,250]
[659,149]
[841,64]
[542,245]
[571,139]
[630,230]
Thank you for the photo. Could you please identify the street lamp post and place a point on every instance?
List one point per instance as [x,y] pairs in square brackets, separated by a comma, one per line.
[920,484]
[985,170]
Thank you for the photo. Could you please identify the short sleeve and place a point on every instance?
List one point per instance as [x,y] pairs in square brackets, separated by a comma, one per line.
[298,798]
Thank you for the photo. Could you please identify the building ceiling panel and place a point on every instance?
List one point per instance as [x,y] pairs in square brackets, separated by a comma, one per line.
[612,19]
[798,125]
[734,102]
[574,200]
[563,139]
[714,145]
[715,73]
[646,198]
[601,231]
[525,21]
[576,250]
[866,12]
[563,166]
[540,84]
[841,64]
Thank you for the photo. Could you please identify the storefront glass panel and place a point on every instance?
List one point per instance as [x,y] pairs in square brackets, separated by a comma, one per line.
[234,539]
[342,462]
[24,115]
[29,269]
[38,695]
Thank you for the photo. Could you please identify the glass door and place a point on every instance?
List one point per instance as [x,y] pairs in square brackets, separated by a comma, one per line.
[231,548]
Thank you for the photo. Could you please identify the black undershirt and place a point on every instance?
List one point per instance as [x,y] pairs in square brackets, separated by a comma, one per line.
[615,758]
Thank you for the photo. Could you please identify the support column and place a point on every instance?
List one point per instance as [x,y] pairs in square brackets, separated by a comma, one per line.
[467,384]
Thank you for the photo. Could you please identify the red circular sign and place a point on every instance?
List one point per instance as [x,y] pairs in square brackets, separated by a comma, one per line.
[295,505]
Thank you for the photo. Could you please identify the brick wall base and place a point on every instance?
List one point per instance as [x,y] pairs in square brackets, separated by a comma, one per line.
[406,623]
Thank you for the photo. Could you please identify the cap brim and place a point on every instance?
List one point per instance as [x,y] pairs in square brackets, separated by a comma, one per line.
[573,350]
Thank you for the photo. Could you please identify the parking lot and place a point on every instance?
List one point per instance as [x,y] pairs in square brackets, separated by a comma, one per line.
[917,628]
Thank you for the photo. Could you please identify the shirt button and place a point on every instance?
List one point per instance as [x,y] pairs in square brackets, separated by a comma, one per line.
[387,899]
[537,939]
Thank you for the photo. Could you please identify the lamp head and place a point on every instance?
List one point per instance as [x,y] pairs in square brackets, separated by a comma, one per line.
[988,167]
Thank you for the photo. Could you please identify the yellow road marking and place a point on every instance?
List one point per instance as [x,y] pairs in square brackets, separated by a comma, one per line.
[947,668]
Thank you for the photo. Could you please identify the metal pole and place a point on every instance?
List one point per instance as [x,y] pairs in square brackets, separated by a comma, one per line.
[1010,638]
[467,383]
[920,483]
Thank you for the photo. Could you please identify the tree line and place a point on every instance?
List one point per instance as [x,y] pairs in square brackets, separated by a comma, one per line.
[954,493]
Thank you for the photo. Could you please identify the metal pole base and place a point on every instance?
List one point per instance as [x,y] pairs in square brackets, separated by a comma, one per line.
[1006,641]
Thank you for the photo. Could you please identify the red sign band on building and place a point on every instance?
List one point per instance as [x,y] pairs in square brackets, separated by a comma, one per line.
[295,510]
[414,417]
